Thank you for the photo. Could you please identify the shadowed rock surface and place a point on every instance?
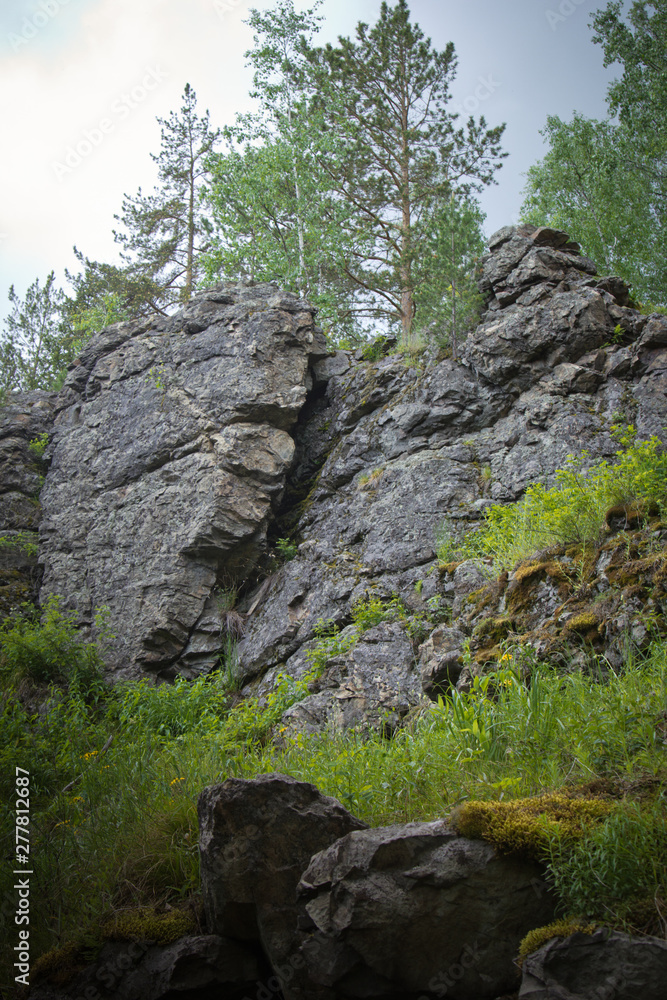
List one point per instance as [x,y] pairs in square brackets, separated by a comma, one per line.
[599,965]
[24,418]
[415,907]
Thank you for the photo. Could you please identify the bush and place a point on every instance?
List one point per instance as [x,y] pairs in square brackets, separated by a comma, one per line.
[575,509]
[51,650]
[621,865]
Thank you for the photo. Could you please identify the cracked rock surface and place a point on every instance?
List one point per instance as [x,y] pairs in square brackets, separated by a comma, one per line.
[170,448]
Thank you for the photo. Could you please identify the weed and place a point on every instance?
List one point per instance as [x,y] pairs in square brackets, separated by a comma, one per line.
[286,549]
[37,446]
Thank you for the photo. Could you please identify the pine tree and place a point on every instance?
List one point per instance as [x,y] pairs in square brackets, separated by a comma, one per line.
[400,153]
[164,233]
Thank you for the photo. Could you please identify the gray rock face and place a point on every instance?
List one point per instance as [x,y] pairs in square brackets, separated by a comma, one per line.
[393,451]
[375,684]
[414,908]
[25,417]
[171,446]
[604,965]
[256,839]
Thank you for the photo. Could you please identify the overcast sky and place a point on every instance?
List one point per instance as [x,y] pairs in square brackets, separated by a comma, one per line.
[68,66]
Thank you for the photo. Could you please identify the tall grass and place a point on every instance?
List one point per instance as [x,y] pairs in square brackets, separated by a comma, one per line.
[126,831]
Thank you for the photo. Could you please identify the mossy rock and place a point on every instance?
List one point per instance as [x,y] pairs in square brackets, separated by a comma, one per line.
[583,622]
[525,826]
[145,924]
[494,629]
[58,966]
[534,939]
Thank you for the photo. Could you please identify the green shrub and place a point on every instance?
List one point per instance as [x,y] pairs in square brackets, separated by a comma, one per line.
[622,863]
[575,508]
[286,549]
[37,446]
[51,650]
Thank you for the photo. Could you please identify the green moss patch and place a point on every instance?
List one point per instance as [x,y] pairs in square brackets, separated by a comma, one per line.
[534,940]
[525,826]
[148,925]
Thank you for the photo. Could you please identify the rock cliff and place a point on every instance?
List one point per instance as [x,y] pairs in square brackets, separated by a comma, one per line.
[170,448]
[178,444]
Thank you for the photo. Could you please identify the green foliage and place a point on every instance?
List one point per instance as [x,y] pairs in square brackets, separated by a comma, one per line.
[50,649]
[163,234]
[37,446]
[447,301]
[25,541]
[37,343]
[588,185]
[575,508]
[274,213]
[639,97]
[622,863]
[125,835]
[402,162]
[286,548]
[455,542]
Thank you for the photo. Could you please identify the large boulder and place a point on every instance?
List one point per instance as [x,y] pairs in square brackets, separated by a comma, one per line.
[404,910]
[171,446]
[256,838]
[601,966]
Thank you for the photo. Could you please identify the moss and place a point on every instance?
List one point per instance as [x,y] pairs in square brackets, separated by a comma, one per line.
[147,925]
[559,928]
[525,826]
[526,570]
[449,567]
[582,622]
[58,966]
[494,629]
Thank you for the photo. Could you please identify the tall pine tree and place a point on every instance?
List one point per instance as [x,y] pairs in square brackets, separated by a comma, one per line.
[164,233]
[401,154]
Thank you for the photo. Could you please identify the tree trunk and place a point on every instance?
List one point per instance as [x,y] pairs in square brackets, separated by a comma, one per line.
[407,291]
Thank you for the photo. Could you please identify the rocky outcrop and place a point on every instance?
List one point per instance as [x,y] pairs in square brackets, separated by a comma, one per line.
[604,965]
[170,449]
[393,451]
[25,420]
[179,443]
